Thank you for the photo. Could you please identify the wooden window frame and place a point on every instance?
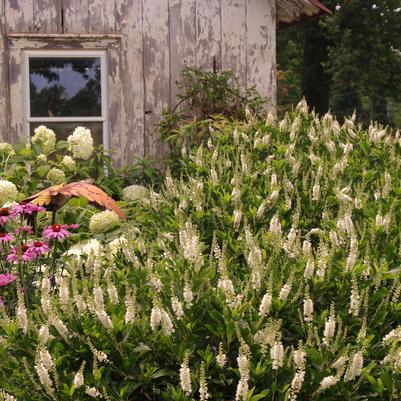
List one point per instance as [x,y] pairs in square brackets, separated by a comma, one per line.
[67,53]
[21,43]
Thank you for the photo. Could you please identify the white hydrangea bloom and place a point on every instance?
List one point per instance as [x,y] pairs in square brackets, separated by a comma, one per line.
[80,143]
[103,221]
[8,192]
[69,163]
[44,137]
[6,149]
[41,159]
[56,176]
[135,192]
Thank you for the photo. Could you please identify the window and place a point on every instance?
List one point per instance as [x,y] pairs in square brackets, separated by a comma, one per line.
[66,89]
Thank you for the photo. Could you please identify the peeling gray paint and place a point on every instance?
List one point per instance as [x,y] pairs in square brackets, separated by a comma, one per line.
[148,43]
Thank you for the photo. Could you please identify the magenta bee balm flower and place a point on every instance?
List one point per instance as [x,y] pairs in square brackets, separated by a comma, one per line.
[6,279]
[6,237]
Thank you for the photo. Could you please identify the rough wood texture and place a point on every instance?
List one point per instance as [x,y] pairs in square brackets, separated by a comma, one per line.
[208,34]
[261,47]
[148,43]
[182,40]
[75,16]
[102,16]
[233,25]
[19,15]
[156,72]
[46,16]
[129,21]
[16,117]
[3,76]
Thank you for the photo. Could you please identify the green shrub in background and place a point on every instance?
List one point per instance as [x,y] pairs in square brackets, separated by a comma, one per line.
[269,270]
[202,96]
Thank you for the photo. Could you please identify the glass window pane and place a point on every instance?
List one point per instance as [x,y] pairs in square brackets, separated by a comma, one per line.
[65,87]
[64,129]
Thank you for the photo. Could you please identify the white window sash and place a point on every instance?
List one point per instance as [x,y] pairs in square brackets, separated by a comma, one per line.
[102,54]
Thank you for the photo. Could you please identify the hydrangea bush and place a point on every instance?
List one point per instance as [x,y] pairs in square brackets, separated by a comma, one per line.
[47,161]
[268,271]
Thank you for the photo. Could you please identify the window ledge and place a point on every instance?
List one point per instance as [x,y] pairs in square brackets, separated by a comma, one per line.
[84,36]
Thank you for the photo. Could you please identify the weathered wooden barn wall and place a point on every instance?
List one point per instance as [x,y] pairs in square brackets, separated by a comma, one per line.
[148,43]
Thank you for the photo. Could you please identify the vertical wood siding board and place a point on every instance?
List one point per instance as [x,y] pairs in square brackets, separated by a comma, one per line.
[19,16]
[182,41]
[234,38]
[76,16]
[133,85]
[273,67]
[16,94]
[208,36]
[3,80]
[157,73]
[47,16]
[261,46]
[102,16]
[114,106]
[129,22]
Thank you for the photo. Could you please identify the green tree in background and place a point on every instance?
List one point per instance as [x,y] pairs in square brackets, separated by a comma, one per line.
[346,61]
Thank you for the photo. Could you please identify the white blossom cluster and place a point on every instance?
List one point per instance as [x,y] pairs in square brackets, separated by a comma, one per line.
[102,221]
[80,143]
[8,192]
[44,137]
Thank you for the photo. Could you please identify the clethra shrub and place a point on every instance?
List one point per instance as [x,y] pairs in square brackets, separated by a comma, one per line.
[268,270]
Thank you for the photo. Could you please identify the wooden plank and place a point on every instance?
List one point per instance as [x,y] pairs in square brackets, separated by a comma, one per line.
[131,138]
[208,34]
[102,16]
[233,38]
[19,15]
[47,16]
[16,117]
[156,72]
[115,133]
[75,16]
[3,69]
[182,40]
[261,47]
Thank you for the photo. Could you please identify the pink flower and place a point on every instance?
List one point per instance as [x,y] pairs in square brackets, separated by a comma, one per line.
[6,279]
[24,229]
[26,254]
[6,237]
[38,247]
[26,209]
[58,231]
[5,215]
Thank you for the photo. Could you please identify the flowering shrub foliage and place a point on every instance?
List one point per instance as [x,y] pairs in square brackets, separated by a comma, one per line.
[46,161]
[269,271]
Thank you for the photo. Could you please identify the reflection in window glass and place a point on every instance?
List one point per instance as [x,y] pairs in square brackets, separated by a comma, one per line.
[65,87]
[64,129]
